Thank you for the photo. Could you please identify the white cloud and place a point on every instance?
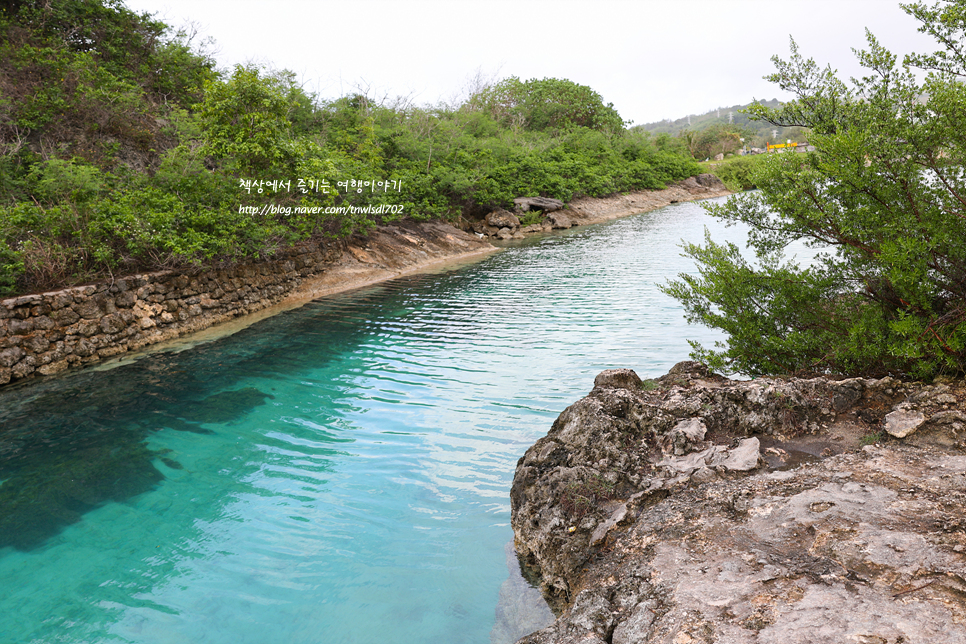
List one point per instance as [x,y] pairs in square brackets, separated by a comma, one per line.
[653,59]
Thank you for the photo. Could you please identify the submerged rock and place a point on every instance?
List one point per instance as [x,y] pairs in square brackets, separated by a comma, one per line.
[690,528]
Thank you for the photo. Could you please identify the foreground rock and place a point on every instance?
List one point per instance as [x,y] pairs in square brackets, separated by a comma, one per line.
[697,509]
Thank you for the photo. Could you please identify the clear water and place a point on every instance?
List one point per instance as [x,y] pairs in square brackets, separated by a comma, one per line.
[336,473]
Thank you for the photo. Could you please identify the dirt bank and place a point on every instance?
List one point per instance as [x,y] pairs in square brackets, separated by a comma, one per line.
[389,252]
[504,225]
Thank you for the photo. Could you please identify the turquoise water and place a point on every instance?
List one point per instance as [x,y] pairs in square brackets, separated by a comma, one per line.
[336,473]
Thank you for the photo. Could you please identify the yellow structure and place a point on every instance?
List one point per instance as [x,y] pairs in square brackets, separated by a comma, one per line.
[781,145]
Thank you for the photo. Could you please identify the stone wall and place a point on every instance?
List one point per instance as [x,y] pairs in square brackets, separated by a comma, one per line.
[46,333]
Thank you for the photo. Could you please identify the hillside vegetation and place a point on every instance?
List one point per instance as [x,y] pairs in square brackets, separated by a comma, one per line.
[726,129]
[123,148]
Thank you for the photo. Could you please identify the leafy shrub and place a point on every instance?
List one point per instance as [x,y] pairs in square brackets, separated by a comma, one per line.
[739,173]
[882,193]
[141,170]
[531,217]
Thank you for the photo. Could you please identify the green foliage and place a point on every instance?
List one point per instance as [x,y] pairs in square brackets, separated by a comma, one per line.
[11,269]
[90,79]
[122,149]
[548,104]
[882,195]
[75,180]
[246,118]
[530,218]
[739,173]
[715,139]
[873,438]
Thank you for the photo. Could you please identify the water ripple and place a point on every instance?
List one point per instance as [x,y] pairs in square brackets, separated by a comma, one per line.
[338,473]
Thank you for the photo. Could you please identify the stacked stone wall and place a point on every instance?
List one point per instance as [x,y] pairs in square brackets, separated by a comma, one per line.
[47,333]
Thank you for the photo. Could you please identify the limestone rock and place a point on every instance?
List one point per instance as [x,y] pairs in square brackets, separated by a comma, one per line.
[502,219]
[558,220]
[902,422]
[745,457]
[713,545]
[9,357]
[619,379]
[689,369]
[525,204]
[686,433]
[636,627]
[20,327]
[948,417]
[710,181]
[615,519]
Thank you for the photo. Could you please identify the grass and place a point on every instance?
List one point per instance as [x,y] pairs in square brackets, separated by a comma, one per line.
[584,497]
[873,438]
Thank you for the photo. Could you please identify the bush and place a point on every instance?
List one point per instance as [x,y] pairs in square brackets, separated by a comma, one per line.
[882,194]
[739,173]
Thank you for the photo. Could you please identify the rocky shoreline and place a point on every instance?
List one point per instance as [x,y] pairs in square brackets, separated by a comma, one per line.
[504,225]
[692,508]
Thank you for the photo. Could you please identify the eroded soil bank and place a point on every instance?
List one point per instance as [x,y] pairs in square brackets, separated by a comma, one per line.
[697,509]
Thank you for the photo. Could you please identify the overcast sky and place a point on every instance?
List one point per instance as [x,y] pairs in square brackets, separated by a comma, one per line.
[653,59]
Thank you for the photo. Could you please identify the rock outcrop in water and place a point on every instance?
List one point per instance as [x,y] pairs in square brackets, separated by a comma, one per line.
[697,509]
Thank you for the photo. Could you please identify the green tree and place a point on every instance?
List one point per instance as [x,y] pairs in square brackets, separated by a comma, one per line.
[715,139]
[547,104]
[884,195]
[246,118]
